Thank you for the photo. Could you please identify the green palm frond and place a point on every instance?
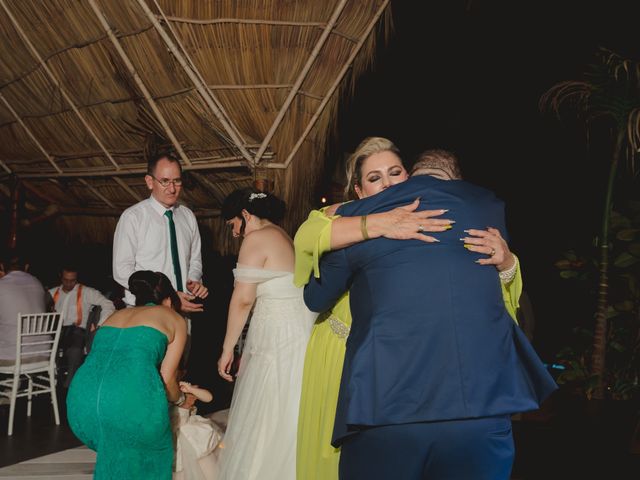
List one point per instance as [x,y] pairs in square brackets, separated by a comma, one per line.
[610,90]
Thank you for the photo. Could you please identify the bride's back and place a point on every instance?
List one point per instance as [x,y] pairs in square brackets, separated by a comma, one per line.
[272,244]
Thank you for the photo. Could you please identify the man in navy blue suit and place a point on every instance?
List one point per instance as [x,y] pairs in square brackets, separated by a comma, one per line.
[434,364]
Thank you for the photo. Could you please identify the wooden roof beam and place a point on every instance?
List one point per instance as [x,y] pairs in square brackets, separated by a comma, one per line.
[127,189]
[132,71]
[356,49]
[78,45]
[255,21]
[30,134]
[199,75]
[201,87]
[4,166]
[182,91]
[96,192]
[215,190]
[55,81]
[301,78]
[134,169]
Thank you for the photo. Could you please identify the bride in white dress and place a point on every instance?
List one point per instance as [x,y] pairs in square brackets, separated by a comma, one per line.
[260,441]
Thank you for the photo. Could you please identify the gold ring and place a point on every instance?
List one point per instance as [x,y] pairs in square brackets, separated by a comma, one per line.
[493,252]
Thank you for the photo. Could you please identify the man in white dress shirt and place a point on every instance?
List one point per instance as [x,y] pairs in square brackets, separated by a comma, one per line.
[161,235]
[20,292]
[74,301]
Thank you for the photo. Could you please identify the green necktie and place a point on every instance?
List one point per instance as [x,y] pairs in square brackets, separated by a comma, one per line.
[174,250]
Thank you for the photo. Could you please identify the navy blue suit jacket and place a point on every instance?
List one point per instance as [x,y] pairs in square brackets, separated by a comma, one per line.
[431,338]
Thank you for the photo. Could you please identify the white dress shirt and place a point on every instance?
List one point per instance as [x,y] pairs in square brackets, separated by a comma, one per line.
[68,307]
[141,242]
[19,293]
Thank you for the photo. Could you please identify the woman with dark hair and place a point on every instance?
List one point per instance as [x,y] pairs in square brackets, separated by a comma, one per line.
[118,399]
[260,441]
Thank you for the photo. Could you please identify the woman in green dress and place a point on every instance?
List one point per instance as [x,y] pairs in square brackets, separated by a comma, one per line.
[118,400]
[374,166]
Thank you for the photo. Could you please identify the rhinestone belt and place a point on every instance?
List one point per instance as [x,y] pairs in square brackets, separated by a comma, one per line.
[339,328]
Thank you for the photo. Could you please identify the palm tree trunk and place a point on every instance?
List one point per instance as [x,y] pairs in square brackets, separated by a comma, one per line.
[598,357]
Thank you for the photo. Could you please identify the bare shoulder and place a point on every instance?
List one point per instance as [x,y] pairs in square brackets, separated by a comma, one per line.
[269,233]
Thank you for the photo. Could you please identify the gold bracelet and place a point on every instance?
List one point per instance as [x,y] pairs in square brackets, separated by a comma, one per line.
[363,227]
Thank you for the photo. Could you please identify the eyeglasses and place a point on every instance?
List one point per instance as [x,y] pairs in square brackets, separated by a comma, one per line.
[165,182]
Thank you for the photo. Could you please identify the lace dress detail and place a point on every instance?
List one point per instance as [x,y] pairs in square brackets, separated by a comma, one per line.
[260,442]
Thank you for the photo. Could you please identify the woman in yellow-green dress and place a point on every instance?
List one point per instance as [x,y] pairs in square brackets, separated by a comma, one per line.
[374,166]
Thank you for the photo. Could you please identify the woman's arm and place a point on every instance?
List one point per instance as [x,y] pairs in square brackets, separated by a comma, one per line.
[323,232]
[401,223]
[251,254]
[491,243]
[169,366]
[244,294]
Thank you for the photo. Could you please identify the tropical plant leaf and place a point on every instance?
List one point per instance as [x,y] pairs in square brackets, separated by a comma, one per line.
[625,306]
[563,264]
[627,234]
[634,249]
[624,260]
[612,312]
[568,274]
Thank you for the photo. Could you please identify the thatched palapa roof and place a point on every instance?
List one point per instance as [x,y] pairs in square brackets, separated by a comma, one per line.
[240,89]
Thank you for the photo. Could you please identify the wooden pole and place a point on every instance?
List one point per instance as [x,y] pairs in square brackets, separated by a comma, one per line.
[54,80]
[336,83]
[301,78]
[202,88]
[143,88]
[12,240]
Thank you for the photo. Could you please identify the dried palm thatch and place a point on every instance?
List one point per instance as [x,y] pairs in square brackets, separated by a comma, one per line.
[239,89]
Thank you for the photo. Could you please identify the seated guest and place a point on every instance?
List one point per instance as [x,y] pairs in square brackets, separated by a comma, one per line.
[118,400]
[74,301]
[20,292]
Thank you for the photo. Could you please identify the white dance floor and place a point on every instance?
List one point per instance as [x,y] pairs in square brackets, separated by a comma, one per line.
[73,464]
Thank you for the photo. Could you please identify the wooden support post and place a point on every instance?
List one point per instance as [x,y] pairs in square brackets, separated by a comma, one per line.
[12,240]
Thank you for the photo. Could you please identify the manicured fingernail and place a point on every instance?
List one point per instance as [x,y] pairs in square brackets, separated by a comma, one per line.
[452,222]
[444,211]
[448,227]
[435,239]
[467,246]
[477,261]
[462,239]
[466,231]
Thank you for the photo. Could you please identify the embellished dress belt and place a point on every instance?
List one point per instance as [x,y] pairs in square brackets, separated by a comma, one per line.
[338,327]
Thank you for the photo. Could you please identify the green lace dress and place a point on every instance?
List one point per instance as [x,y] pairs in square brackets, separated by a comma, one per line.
[118,407]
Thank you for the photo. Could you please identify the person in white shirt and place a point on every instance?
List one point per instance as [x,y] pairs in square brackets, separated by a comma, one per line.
[160,235]
[20,292]
[74,301]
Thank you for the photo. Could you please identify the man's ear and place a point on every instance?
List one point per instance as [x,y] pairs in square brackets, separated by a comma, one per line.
[246,215]
[148,179]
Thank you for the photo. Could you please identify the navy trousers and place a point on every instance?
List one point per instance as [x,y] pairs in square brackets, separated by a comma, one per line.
[473,449]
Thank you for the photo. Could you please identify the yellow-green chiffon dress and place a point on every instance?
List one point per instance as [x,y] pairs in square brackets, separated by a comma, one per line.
[316,458]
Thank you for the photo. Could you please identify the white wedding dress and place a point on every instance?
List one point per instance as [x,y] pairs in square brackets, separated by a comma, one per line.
[260,441]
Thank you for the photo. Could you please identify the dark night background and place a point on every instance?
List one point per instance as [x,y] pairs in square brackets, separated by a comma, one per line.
[468,76]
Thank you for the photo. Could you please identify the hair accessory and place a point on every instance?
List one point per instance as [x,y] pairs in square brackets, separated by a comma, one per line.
[253,196]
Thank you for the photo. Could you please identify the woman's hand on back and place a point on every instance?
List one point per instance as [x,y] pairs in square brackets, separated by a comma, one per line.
[404,223]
